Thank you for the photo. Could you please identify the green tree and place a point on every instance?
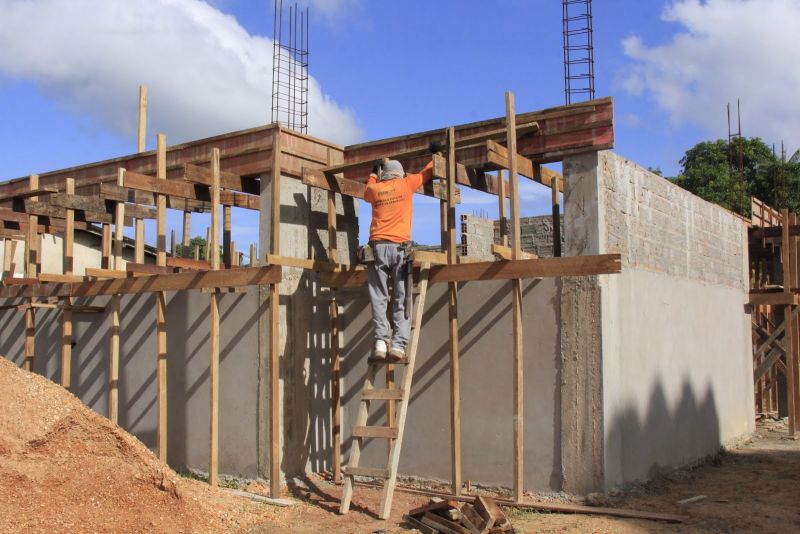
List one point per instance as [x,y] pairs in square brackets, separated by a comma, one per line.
[200,243]
[707,172]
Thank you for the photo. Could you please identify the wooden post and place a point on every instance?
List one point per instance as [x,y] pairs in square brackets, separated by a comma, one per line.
[142,134]
[336,364]
[274,321]
[105,247]
[253,261]
[139,241]
[452,257]
[516,298]
[172,243]
[31,270]
[213,461]
[501,198]
[208,245]
[187,233]
[9,250]
[66,316]
[556,214]
[197,252]
[795,345]
[161,301]
[786,260]
[234,255]
[227,252]
[116,304]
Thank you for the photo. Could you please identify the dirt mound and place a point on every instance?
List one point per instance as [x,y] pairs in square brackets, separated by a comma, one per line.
[64,468]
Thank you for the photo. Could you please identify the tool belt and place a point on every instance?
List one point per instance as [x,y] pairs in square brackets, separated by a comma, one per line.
[366,253]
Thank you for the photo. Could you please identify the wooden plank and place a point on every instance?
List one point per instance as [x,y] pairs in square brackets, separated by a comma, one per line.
[356,189]
[443,525]
[98,205]
[34,192]
[142,129]
[429,256]
[556,214]
[227,180]
[374,432]
[487,508]
[213,461]
[148,268]
[382,394]
[497,155]
[336,362]
[35,207]
[516,299]
[501,200]
[116,305]
[783,298]
[274,321]
[32,245]
[161,300]
[504,252]
[498,270]
[375,472]
[59,278]
[189,264]
[452,312]
[66,316]
[227,253]
[9,250]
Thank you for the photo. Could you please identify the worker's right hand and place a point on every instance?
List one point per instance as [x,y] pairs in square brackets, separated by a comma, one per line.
[436,147]
[377,166]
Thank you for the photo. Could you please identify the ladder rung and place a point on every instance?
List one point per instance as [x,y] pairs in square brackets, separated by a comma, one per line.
[382,394]
[375,432]
[378,361]
[376,472]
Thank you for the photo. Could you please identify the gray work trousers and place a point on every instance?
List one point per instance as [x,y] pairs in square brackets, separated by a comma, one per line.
[389,265]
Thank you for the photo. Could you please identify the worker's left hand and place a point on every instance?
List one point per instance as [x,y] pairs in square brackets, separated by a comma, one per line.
[377,166]
[436,147]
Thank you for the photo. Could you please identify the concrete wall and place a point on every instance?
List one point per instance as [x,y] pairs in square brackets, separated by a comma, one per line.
[486,384]
[536,233]
[675,372]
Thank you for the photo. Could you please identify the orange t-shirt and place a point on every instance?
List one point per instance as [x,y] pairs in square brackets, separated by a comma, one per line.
[392,205]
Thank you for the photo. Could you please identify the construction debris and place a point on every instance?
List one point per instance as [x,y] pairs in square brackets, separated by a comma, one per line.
[482,516]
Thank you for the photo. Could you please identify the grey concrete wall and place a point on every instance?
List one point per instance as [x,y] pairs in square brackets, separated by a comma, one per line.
[486,384]
[536,234]
[188,359]
[674,337]
[477,237]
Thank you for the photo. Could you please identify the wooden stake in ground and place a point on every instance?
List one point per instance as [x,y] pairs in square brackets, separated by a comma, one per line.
[274,323]
[187,233]
[501,199]
[31,270]
[116,304]
[66,314]
[213,448]
[516,298]
[161,301]
[455,382]
[336,365]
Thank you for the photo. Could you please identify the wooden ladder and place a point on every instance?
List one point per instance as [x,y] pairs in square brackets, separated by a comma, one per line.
[393,434]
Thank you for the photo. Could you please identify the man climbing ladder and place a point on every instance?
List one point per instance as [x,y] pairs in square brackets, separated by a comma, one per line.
[391,194]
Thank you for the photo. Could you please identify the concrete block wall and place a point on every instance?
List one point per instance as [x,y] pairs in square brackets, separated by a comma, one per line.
[536,234]
[477,237]
[661,374]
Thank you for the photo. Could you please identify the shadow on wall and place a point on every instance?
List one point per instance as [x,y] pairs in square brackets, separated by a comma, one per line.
[672,433]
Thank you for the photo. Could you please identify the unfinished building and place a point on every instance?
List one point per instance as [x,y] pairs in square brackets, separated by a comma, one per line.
[626,354]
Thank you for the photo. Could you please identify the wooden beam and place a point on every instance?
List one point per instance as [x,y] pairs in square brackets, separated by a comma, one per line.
[185,190]
[32,244]
[274,323]
[313,265]
[187,233]
[116,305]
[161,300]
[142,130]
[227,180]
[504,253]
[497,270]
[455,378]
[98,205]
[516,301]
[782,298]
[356,189]
[188,264]
[336,362]
[66,315]
[497,155]
[213,447]
[35,192]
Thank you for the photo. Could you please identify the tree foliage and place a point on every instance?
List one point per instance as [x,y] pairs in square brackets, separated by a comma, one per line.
[710,169]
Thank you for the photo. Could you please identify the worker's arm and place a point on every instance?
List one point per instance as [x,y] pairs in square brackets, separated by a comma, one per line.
[423,176]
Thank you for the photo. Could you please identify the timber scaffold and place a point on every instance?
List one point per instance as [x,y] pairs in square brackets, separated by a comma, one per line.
[244,170]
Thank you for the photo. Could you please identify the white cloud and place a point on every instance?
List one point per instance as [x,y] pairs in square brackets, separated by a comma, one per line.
[205,73]
[329,9]
[727,49]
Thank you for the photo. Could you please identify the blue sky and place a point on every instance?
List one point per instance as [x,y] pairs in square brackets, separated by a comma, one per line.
[70,71]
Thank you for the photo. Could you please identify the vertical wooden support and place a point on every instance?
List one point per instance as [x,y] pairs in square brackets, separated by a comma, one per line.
[196,252]
[227,251]
[172,243]
[66,315]
[786,259]
[516,298]
[142,133]
[31,270]
[9,250]
[187,233]
[234,255]
[556,214]
[116,304]
[208,245]
[274,323]
[452,257]
[501,199]
[161,300]
[253,261]
[213,448]
[105,247]
[794,353]
[139,241]
[336,364]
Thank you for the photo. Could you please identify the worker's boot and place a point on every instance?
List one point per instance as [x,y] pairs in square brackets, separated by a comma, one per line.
[379,351]
[396,354]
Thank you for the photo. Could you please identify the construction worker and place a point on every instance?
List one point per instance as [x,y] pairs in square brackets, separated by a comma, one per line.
[391,193]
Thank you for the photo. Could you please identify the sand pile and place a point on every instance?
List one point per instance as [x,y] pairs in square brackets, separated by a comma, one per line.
[64,468]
